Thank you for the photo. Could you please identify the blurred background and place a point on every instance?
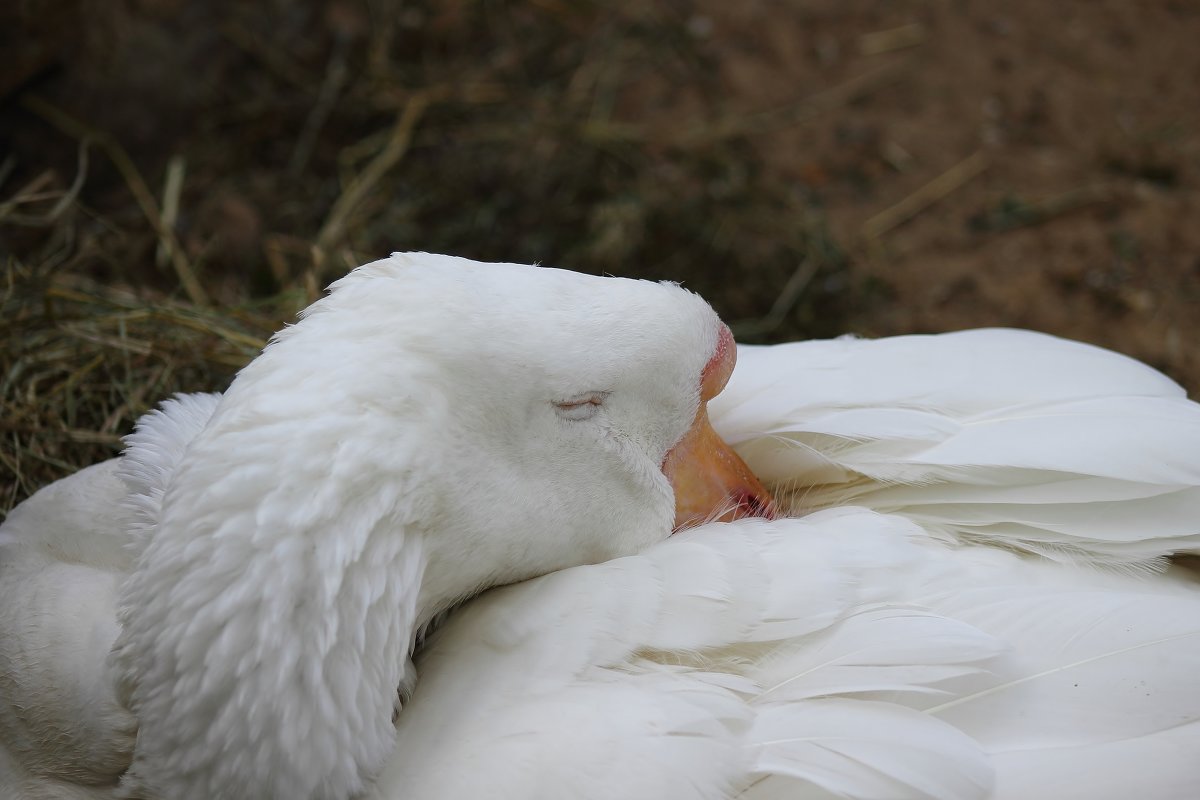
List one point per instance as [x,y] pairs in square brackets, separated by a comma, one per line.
[179,177]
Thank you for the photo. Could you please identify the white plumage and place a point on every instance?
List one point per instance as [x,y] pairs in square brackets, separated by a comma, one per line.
[431,428]
[996,436]
[969,605]
[987,622]
[914,671]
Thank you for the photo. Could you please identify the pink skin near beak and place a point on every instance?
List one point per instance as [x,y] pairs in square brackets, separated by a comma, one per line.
[711,482]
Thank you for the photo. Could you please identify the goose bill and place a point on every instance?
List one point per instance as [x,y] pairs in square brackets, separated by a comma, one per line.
[711,482]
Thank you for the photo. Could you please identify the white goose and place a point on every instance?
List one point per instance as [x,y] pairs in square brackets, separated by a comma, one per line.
[432,428]
[854,653]
[848,653]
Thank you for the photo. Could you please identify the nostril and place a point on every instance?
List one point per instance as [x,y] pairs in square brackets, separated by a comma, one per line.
[718,369]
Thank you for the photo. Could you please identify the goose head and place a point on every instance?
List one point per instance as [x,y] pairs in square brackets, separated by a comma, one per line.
[431,428]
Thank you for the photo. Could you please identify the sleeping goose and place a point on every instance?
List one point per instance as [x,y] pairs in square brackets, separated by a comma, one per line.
[986,621]
[991,620]
[431,428]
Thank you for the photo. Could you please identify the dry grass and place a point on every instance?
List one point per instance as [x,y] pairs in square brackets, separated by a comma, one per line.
[80,362]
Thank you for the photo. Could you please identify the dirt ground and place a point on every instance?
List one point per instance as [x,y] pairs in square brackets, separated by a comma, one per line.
[810,167]
[1039,160]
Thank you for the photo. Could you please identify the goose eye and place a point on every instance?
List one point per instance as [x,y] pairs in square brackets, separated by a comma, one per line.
[580,408]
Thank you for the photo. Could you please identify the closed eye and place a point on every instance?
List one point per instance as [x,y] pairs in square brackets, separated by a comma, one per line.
[581,408]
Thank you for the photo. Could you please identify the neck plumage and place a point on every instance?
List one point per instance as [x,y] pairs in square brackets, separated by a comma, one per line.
[268,620]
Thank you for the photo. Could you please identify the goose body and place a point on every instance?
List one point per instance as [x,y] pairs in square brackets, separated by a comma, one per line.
[969,601]
[966,599]
[914,670]
[61,729]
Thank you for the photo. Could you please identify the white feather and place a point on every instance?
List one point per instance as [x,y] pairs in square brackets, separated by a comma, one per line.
[919,664]
[862,749]
[1008,437]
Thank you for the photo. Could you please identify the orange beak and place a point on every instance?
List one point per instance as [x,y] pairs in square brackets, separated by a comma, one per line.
[711,482]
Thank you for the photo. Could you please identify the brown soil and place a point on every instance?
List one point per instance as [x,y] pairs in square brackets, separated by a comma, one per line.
[1069,134]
